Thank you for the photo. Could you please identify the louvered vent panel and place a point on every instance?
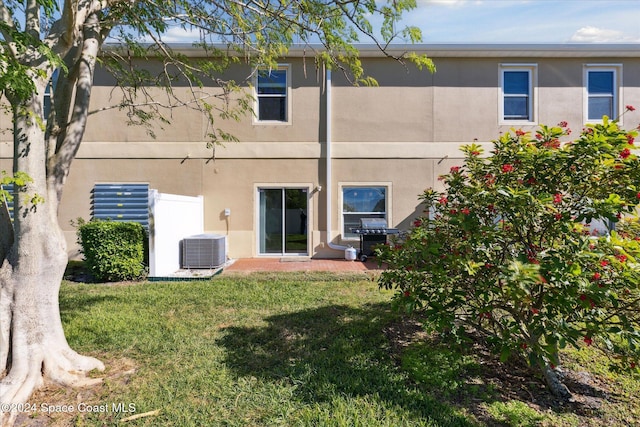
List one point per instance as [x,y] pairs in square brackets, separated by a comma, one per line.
[121,202]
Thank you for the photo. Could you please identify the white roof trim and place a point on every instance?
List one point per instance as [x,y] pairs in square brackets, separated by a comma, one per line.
[455,50]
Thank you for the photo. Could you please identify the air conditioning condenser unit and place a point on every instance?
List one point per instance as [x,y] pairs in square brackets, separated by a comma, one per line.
[203,251]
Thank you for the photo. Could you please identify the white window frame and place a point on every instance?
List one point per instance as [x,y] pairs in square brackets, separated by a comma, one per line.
[532,70]
[287,121]
[48,95]
[387,207]
[616,69]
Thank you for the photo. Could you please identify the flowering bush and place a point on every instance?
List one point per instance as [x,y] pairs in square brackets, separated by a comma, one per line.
[509,252]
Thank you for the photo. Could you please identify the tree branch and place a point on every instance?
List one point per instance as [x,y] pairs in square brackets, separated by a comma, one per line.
[7,20]
[74,131]
[156,104]
[32,19]
[68,21]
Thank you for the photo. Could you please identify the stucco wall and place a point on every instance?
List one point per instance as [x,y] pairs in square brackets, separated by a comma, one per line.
[403,133]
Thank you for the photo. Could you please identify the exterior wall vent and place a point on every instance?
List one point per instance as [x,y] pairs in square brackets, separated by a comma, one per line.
[203,251]
[121,202]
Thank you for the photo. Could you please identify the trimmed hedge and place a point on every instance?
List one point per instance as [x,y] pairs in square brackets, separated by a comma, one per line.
[113,251]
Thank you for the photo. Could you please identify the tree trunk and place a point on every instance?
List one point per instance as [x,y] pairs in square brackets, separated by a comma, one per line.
[33,348]
[554,382]
[549,372]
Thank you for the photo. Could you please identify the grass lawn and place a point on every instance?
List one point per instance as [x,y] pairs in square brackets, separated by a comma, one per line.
[299,349]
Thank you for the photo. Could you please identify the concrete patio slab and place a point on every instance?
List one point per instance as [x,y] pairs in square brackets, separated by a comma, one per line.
[248,265]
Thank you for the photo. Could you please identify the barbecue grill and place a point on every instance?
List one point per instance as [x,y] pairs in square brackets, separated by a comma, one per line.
[372,232]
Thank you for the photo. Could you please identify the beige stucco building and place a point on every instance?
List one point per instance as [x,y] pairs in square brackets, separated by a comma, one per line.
[321,153]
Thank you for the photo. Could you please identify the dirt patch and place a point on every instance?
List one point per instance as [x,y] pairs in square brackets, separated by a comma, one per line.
[54,406]
[509,381]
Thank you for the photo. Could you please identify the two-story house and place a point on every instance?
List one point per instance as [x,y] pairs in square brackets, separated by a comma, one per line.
[320,153]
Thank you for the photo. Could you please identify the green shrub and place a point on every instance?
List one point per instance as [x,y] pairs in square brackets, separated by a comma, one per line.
[629,228]
[113,251]
[506,250]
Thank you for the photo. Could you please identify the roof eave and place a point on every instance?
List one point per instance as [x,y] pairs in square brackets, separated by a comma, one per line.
[459,50]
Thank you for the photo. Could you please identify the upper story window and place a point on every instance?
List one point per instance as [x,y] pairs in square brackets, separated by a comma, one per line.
[272,95]
[517,93]
[602,88]
[362,202]
[48,93]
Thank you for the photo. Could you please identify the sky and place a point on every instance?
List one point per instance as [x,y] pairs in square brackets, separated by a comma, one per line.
[516,21]
[527,21]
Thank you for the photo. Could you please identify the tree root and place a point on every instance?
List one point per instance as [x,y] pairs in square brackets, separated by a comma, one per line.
[16,388]
[68,368]
[64,367]
[555,384]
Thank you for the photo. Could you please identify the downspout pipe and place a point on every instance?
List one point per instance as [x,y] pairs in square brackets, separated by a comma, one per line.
[329,186]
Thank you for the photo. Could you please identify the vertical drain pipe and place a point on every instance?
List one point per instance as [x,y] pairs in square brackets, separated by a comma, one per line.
[328,192]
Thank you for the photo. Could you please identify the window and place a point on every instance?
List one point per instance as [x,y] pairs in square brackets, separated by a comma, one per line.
[517,93]
[601,85]
[362,202]
[48,93]
[9,201]
[273,95]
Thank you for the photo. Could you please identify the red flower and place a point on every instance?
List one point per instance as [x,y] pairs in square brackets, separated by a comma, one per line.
[563,124]
[638,196]
[443,200]
[520,132]
[417,223]
[533,260]
[583,297]
[630,108]
[406,293]
[625,153]
[453,211]
[466,211]
[523,345]
[604,263]
[558,216]
[630,139]
[507,168]
[596,276]
[557,198]
[554,143]
[622,258]
[454,169]
[535,311]
[632,365]
[475,153]
[588,341]
[538,136]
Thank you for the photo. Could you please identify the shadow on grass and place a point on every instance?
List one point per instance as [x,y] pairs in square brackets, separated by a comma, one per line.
[334,351]
[72,304]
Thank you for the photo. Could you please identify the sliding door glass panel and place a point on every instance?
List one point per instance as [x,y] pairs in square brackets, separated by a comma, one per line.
[295,241]
[283,224]
[271,221]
